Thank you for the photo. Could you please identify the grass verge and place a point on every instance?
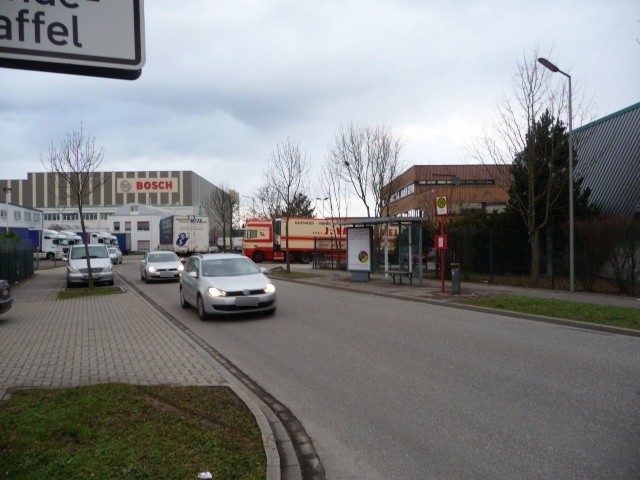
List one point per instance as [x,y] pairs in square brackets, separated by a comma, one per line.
[68,293]
[602,314]
[115,431]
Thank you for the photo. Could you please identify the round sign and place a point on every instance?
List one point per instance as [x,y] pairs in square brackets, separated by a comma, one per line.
[441,202]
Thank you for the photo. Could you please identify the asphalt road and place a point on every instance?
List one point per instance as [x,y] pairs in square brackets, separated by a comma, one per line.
[389,389]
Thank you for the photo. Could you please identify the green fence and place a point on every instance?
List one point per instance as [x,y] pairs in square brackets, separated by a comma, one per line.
[16,259]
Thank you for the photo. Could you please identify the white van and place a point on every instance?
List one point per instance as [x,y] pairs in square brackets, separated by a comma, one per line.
[78,266]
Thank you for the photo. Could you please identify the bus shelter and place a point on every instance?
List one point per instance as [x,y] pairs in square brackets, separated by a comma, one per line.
[405,243]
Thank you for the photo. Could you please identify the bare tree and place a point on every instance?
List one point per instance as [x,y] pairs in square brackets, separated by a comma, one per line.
[513,138]
[75,165]
[287,175]
[219,206]
[368,158]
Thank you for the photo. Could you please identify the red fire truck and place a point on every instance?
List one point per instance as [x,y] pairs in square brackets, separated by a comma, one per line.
[267,241]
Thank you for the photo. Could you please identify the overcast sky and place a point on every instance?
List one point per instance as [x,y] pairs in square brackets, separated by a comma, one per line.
[225,81]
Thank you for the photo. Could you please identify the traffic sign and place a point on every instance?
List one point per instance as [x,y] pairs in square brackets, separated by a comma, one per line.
[87,37]
[442,208]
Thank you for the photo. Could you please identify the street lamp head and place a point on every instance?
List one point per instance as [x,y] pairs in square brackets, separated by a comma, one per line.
[549,65]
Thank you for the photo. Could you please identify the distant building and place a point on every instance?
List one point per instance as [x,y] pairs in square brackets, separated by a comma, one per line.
[467,188]
[16,217]
[608,157]
[180,192]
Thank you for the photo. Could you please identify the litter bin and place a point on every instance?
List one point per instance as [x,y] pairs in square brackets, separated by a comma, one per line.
[455,278]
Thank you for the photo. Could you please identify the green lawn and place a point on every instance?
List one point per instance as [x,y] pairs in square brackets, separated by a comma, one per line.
[78,292]
[584,312]
[116,431]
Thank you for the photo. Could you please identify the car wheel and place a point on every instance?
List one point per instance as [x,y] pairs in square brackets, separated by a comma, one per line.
[50,256]
[201,313]
[183,303]
[69,284]
[110,283]
[257,257]
[146,278]
[141,276]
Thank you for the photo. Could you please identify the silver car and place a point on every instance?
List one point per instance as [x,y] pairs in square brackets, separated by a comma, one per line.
[115,254]
[225,284]
[160,265]
[78,265]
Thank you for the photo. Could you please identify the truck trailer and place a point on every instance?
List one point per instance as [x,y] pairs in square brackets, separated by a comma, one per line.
[184,234]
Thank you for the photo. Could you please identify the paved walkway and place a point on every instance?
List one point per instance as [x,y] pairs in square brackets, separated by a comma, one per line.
[50,343]
[431,289]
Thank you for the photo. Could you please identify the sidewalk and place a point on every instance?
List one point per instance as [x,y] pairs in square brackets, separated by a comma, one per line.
[112,338]
[431,289]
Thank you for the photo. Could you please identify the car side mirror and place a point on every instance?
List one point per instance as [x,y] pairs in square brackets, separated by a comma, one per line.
[193,274]
[264,270]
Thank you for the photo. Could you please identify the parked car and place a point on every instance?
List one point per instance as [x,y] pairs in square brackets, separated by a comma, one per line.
[6,300]
[160,265]
[225,284]
[78,265]
[115,254]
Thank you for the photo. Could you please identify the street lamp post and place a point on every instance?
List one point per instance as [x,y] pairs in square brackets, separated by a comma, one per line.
[7,195]
[554,69]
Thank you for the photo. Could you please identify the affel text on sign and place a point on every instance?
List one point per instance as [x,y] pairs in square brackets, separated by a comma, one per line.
[31,25]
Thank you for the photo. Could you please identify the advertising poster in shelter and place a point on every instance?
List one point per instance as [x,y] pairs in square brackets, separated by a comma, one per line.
[359,249]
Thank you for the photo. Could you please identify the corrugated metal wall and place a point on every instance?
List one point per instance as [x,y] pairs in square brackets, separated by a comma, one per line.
[608,157]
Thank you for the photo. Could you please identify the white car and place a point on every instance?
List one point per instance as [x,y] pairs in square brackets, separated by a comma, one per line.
[226,284]
[160,265]
[115,254]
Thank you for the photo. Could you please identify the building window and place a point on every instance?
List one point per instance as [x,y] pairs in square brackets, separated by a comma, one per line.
[105,215]
[90,216]
[403,192]
[17,215]
[52,216]
[143,226]
[27,216]
[116,226]
[134,208]
[69,216]
[127,226]
[36,217]
[3,214]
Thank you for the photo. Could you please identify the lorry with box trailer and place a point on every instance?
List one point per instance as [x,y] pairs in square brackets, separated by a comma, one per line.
[265,240]
[184,234]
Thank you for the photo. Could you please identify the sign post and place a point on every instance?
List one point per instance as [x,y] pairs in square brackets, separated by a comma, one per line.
[440,241]
[103,38]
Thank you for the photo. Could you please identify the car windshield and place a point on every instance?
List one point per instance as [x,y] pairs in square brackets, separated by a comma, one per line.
[162,257]
[226,267]
[112,250]
[95,251]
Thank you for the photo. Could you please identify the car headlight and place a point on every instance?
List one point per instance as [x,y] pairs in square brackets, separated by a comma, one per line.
[180,267]
[72,269]
[108,268]
[152,269]
[215,292]
[270,288]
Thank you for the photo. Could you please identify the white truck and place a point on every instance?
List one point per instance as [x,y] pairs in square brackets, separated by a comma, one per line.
[185,234]
[71,238]
[51,244]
